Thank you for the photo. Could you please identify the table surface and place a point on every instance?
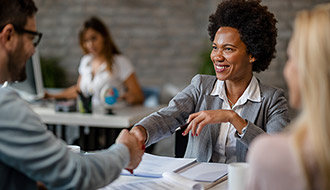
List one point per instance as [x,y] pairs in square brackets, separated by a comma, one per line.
[122,178]
[123,117]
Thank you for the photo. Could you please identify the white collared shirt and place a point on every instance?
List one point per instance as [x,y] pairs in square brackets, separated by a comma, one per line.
[225,149]
[92,85]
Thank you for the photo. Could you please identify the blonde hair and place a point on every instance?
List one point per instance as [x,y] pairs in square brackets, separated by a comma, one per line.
[312,45]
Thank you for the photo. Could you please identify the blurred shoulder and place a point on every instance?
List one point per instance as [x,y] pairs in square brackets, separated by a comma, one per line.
[121,59]
[84,62]
[271,152]
[86,59]
[7,94]
[14,109]
[274,164]
[204,83]
[270,145]
[203,79]
[268,90]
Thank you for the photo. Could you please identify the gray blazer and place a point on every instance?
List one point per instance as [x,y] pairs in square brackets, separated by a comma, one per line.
[270,115]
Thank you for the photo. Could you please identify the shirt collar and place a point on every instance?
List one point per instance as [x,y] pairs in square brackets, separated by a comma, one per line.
[102,67]
[252,92]
[4,85]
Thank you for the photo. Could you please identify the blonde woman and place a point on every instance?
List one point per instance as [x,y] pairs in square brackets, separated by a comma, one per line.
[301,158]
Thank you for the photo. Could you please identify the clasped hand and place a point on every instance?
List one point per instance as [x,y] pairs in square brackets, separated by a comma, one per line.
[136,149]
[197,121]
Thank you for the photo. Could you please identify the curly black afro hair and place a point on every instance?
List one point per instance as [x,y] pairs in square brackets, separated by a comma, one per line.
[255,24]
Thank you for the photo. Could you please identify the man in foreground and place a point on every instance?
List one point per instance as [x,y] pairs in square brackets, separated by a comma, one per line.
[28,152]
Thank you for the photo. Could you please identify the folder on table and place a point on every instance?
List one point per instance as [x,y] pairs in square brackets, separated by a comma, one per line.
[177,173]
[154,166]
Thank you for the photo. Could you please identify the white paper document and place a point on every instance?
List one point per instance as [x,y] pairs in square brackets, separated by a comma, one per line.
[206,172]
[171,174]
[155,166]
[170,181]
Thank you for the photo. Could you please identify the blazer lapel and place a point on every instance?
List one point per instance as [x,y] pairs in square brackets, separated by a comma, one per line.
[251,110]
[213,103]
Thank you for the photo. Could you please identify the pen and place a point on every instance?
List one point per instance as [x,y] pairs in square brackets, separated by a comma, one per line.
[182,127]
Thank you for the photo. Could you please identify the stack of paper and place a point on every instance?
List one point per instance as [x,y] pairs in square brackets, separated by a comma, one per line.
[205,172]
[155,166]
[172,174]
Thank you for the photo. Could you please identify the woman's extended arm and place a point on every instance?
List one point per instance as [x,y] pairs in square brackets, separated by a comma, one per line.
[68,93]
[134,94]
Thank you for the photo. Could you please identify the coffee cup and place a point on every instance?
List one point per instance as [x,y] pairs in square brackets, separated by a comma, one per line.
[237,175]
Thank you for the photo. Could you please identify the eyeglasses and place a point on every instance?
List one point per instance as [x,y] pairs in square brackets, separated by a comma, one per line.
[36,35]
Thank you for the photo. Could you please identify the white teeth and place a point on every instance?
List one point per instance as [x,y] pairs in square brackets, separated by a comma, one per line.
[220,67]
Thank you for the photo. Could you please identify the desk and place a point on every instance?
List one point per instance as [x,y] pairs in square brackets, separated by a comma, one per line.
[123,117]
[123,178]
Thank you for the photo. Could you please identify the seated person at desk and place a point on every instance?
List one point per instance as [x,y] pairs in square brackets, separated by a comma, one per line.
[102,65]
[28,152]
[300,158]
[227,111]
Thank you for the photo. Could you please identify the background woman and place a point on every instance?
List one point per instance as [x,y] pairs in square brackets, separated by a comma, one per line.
[227,111]
[102,65]
[301,158]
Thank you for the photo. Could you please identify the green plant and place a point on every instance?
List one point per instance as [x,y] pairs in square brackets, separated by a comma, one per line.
[207,66]
[52,73]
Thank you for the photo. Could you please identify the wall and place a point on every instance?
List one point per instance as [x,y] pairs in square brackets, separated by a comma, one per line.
[163,38]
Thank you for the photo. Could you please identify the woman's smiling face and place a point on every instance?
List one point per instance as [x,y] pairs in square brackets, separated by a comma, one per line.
[229,56]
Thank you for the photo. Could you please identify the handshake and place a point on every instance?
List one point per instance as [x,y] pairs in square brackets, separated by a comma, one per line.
[134,140]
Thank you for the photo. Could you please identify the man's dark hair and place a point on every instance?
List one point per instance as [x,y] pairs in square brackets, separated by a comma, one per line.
[16,12]
[256,26]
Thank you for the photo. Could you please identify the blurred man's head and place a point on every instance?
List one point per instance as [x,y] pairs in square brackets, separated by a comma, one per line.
[18,35]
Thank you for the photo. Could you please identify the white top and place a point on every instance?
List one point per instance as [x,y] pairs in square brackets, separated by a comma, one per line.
[225,149]
[121,70]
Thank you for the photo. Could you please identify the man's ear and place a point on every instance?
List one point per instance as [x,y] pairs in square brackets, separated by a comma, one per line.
[7,36]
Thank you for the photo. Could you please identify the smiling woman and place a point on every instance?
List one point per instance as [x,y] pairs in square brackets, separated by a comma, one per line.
[226,112]
[230,57]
